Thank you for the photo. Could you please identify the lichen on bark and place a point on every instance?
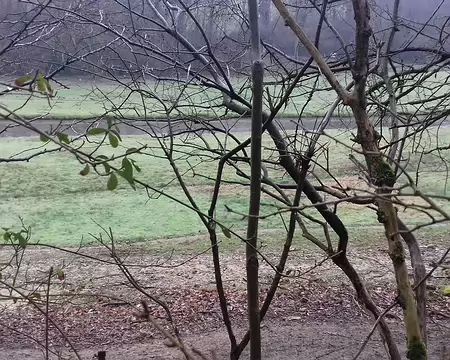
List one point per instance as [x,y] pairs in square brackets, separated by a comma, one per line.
[416,350]
[385,175]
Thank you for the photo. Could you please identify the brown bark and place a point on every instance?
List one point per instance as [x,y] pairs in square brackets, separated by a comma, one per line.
[335,223]
[419,274]
[380,172]
[283,258]
[405,292]
[382,176]
[289,165]
[342,262]
[219,286]
[252,228]
[255,184]
[312,49]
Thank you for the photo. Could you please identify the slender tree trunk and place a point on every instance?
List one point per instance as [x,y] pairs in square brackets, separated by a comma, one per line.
[381,174]
[419,274]
[338,227]
[410,240]
[383,177]
[365,298]
[255,187]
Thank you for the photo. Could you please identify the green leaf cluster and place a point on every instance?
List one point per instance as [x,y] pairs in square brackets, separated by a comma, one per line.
[36,83]
[20,237]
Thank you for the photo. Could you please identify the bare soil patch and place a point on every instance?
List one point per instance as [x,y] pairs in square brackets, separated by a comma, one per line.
[315,314]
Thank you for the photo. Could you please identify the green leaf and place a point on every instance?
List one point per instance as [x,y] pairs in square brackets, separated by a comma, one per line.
[85,171]
[107,167]
[60,274]
[49,87]
[138,169]
[116,133]
[130,181]
[22,80]
[112,182]
[21,239]
[96,131]
[41,84]
[44,138]
[105,164]
[110,122]
[126,165]
[63,137]
[131,150]
[446,291]
[226,232]
[127,172]
[7,236]
[113,140]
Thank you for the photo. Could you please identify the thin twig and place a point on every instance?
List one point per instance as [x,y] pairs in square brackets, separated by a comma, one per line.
[50,273]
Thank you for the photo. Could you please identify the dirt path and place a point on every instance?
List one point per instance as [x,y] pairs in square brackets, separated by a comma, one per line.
[282,340]
[72,127]
[134,127]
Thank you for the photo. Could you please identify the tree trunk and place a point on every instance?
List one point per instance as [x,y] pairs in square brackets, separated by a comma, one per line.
[380,173]
[382,176]
[335,223]
[342,262]
[255,186]
[419,274]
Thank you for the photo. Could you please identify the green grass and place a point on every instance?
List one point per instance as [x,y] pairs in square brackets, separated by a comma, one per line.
[63,207]
[274,240]
[84,98]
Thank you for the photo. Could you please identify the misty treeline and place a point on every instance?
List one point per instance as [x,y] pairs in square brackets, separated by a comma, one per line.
[73,36]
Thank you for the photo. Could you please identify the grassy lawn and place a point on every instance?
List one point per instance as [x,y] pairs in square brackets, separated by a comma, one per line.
[63,207]
[84,98]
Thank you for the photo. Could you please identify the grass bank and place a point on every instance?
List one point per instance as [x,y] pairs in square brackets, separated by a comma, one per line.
[81,98]
[63,207]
